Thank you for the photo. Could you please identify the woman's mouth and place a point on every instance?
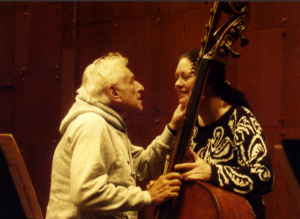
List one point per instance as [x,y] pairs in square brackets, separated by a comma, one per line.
[182,94]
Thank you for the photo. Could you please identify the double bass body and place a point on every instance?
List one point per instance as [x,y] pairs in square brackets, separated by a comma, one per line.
[204,201]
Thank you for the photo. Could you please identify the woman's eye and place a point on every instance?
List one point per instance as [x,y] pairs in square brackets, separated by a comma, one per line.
[184,77]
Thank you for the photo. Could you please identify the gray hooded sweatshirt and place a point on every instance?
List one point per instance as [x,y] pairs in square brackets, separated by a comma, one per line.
[95,165]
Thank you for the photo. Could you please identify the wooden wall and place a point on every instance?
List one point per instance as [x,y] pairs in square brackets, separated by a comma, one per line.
[45,47]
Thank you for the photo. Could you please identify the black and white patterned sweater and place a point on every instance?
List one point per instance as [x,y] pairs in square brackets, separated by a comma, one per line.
[236,149]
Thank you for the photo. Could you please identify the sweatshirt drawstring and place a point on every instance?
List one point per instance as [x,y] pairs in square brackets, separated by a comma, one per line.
[133,173]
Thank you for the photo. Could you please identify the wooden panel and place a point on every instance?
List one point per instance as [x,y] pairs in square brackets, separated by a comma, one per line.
[142,130]
[7,23]
[258,75]
[68,11]
[37,49]
[290,76]
[6,66]
[97,12]
[36,110]
[290,11]
[39,163]
[67,58]
[265,15]
[38,40]
[28,5]
[6,102]
[36,123]
[37,99]
[7,7]
[167,7]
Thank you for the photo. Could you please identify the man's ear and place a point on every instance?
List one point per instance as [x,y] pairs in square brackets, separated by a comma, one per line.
[113,93]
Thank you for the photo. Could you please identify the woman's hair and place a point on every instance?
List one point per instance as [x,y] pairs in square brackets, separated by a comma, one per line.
[216,78]
[97,76]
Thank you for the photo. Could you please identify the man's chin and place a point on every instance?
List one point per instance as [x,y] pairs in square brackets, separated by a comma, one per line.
[138,109]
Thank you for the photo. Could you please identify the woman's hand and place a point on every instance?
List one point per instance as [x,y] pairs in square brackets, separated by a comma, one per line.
[179,112]
[197,171]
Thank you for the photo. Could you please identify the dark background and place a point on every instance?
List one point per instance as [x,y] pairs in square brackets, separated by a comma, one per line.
[45,47]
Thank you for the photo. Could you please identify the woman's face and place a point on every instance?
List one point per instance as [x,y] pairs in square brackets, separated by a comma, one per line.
[184,80]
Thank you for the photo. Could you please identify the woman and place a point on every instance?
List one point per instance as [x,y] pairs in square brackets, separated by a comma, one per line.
[228,145]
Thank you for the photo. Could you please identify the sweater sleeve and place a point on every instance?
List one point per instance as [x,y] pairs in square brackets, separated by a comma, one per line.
[149,162]
[254,173]
[92,159]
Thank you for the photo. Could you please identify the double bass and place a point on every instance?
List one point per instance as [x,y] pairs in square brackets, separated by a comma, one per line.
[200,199]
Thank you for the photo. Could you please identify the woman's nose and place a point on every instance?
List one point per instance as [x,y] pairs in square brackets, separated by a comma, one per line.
[178,82]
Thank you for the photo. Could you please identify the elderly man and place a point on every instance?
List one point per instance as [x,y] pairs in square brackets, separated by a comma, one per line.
[95,165]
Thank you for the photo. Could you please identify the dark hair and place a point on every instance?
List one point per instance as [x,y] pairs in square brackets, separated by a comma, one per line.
[216,78]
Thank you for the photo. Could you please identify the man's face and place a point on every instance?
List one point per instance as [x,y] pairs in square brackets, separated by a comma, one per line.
[130,92]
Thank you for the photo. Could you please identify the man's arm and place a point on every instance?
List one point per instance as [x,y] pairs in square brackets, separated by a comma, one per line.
[150,161]
[91,189]
[93,157]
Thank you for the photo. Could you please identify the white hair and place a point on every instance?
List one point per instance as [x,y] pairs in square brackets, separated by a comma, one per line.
[97,76]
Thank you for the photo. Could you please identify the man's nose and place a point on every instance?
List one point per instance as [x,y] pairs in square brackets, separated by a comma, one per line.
[140,87]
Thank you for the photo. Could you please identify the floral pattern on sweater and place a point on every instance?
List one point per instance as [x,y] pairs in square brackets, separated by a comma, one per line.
[236,148]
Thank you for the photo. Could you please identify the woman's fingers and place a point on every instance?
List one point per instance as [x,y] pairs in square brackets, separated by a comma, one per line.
[193,177]
[188,166]
[172,175]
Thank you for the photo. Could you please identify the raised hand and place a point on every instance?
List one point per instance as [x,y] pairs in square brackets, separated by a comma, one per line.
[179,112]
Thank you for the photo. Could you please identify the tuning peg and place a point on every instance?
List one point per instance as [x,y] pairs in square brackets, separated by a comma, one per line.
[234,54]
[207,26]
[244,42]
[202,41]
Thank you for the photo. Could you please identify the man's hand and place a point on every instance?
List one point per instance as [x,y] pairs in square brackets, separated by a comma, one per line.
[197,171]
[164,188]
[179,112]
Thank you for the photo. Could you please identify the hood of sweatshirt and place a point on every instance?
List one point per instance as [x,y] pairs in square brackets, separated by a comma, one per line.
[82,106]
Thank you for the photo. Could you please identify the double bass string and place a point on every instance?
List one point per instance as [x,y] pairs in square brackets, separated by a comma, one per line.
[184,133]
